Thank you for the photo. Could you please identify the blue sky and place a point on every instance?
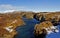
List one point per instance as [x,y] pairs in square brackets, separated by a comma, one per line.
[30,5]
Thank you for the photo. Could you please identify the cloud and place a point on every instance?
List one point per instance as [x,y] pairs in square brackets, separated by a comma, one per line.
[10,7]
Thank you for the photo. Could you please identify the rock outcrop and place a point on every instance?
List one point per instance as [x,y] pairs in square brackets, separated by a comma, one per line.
[10,21]
[44,28]
[8,25]
[28,15]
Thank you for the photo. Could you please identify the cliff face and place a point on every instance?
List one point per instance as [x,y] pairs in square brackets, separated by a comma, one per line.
[44,28]
[5,34]
[39,27]
[8,24]
[28,15]
[52,16]
[48,16]
[49,21]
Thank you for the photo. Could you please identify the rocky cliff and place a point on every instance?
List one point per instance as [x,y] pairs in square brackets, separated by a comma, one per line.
[8,24]
[10,21]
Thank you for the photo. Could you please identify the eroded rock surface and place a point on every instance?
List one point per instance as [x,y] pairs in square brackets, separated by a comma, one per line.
[8,24]
[44,28]
[10,21]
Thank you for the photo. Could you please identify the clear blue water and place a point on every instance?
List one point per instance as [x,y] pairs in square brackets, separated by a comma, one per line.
[54,35]
[26,31]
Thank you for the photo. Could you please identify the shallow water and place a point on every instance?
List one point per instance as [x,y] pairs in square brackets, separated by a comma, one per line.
[54,35]
[26,31]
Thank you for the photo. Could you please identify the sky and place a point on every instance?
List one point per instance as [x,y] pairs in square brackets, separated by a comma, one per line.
[30,5]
